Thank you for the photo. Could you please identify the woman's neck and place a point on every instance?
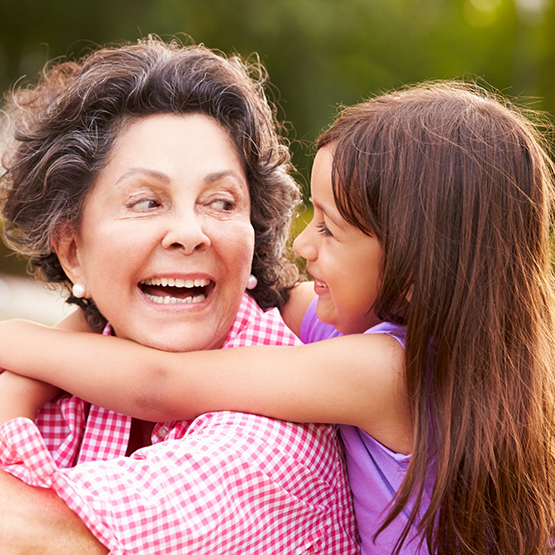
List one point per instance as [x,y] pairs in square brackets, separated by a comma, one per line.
[139,436]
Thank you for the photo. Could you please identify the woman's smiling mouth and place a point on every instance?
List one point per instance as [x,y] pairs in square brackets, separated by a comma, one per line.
[176,290]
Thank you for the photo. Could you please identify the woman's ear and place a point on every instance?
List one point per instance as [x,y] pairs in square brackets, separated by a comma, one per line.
[66,247]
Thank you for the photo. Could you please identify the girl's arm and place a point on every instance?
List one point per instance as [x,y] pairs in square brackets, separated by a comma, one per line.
[294,310]
[354,380]
[21,396]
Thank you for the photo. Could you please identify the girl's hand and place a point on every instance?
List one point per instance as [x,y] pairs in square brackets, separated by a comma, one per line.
[21,396]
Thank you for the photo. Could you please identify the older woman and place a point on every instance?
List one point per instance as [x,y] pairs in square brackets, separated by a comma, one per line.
[149,180]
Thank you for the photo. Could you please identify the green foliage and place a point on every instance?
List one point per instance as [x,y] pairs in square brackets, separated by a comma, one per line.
[320,54]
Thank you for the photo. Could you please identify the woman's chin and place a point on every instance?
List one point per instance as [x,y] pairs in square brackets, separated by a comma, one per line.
[180,328]
[184,339]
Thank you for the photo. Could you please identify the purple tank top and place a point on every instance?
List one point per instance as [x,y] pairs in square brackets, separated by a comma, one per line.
[375,472]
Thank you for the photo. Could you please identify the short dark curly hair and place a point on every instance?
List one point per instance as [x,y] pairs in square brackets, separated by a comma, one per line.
[64,129]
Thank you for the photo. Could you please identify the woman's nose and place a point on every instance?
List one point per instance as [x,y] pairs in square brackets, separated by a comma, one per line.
[186,233]
[304,244]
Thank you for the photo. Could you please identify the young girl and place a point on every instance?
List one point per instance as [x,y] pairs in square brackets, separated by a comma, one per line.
[430,253]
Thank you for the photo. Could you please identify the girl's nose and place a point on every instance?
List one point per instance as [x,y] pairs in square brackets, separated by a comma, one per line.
[187,234]
[304,245]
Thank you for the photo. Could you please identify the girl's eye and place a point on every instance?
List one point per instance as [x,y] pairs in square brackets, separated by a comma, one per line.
[223,205]
[144,205]
[323,229]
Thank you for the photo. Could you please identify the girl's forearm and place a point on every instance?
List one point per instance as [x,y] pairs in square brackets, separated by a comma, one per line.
[122,375]
[21,396]
[355,379]
[103,370]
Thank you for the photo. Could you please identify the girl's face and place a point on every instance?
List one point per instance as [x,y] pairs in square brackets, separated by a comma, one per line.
[344,262]
[165,243]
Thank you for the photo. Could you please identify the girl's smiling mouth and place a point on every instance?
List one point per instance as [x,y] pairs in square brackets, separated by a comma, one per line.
[176,290]
[317,282]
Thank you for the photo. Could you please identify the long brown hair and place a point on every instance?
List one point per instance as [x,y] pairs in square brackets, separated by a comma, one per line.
[456,185]
[65,127]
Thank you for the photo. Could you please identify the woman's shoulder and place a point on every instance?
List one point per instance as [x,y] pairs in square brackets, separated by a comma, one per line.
[254,326]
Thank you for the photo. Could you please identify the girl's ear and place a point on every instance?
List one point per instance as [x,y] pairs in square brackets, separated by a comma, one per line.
[66,247]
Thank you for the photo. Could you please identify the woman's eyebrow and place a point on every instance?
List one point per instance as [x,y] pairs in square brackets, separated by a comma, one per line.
[218,176]
[132,172]
[161,176]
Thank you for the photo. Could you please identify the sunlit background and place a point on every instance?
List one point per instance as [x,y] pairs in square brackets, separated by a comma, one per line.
[320,54]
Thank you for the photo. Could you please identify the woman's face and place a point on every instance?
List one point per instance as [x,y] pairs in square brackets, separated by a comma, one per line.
[165,243]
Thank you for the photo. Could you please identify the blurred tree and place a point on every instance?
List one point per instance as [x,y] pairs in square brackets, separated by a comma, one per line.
[319,53]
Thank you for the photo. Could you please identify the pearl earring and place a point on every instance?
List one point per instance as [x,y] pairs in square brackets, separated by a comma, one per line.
[252,283]
[79,290]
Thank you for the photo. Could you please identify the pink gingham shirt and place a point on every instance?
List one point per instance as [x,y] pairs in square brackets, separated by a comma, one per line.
[223,483]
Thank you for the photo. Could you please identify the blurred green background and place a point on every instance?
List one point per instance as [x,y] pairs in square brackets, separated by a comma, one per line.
[320,54]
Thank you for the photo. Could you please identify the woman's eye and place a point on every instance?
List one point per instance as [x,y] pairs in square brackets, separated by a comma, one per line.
[144,205]
[223,205]
[323,229]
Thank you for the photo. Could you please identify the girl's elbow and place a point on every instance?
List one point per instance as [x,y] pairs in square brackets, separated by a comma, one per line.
[161,398]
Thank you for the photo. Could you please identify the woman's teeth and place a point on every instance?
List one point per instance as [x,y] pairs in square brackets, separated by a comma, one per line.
[175,300]
[171,282]
[161,298]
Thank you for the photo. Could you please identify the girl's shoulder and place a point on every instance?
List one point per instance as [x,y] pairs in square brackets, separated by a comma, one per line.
[313,330]
[397,331]
[296,307]
[374,383]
